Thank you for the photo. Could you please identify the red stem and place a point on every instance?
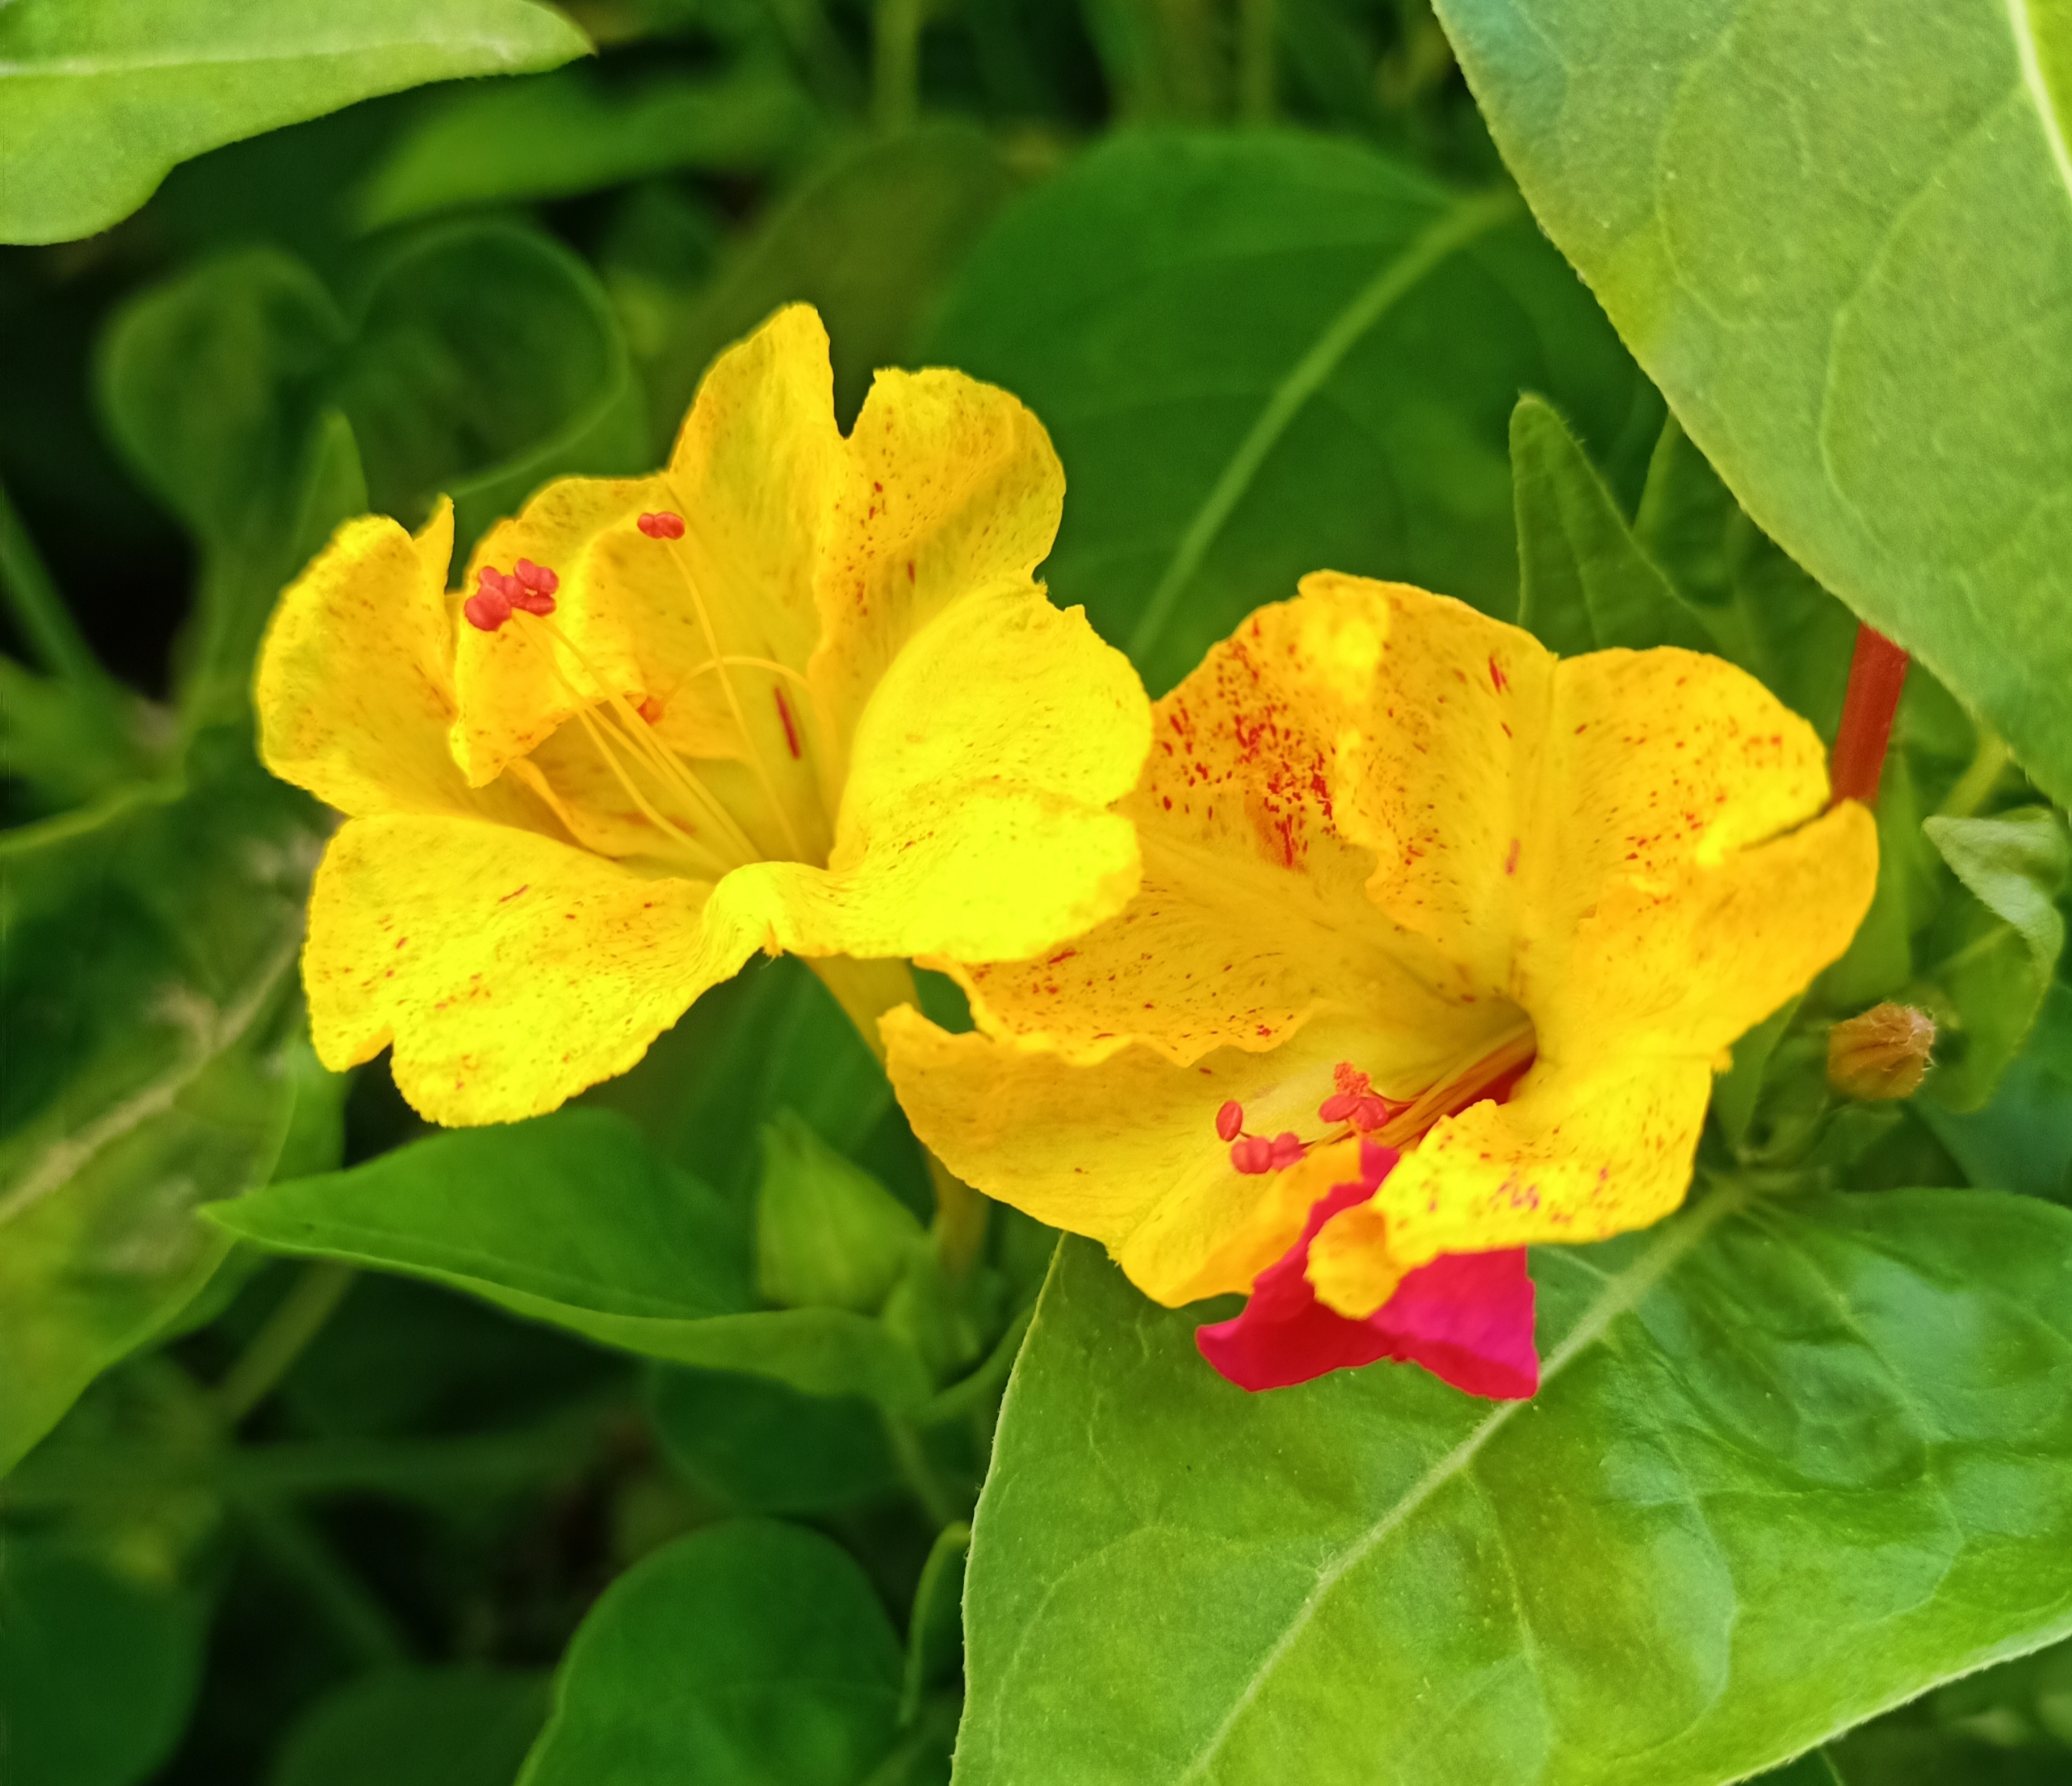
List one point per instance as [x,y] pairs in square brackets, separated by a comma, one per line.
[1877,674]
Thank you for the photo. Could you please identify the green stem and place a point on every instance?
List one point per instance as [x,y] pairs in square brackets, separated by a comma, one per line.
[360,1622]
[1972,787]
[895,62]
[298,1320]
[32,595]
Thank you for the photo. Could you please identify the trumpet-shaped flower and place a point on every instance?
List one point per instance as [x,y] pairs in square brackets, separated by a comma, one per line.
[1409,878]
[795,691]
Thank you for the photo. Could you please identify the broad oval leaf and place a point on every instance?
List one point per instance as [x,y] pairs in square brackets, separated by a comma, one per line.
[1263,355]
[100,98]
[573,1219]
[1792,1461]
[749,1653]
[1838,238]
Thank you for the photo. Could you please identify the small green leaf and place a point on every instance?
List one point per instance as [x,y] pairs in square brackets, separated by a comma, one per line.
[1998,950]
[566,133]
[456,1727]
[935,1633]
[827,1234]
[1583,583]
[1262,354]
[1792,1461]
[746,1655]
[760,1446]
[97,1670]
[573,1219]
[102,98]
[2021,1139]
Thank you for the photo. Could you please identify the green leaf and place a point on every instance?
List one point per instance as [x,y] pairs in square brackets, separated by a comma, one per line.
[760,1446]
[2002,943]
[2021,1139]
[1263,355]
[455,1726]
[102,98]
[97,1670]
[871,241]
[747,1655]
[149,1003]
[1837,237]
[573,1219]
[1790,1461]
[566,133]
[1583,585]
[827,1234]
[935,1633]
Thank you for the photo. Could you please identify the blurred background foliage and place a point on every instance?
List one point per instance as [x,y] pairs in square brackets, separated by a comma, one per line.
[307,1503]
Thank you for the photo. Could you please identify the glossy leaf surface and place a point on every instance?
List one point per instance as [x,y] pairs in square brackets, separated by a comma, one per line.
[1838,237]
[1792,1461]
[102,98]
[1270,355]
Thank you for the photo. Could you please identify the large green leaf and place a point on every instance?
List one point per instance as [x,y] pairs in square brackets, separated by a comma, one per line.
[1261,355]
[1791,1461]
[148,1004]
[573,1219]
[457,1726]
[1838,236]
[747,1655]
[99,98]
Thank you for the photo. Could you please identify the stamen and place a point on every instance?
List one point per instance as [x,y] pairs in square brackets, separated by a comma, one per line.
[1230,1121]
[1455,1091]
[663,525]
[486,609]
[1252,1156]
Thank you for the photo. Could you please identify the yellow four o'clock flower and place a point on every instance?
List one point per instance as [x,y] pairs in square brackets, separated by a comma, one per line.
[795,691]
[1396,854]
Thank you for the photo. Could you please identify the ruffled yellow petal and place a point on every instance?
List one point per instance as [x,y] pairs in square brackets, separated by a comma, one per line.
[1255,913]
[974,819]
[508,970]
[355,687]
[1126,1152]
[949,489]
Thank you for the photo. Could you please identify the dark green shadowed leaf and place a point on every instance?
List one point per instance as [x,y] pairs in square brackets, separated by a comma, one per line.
[150,1009]
[1838,238]
[747,1655]
[1263,355]
[458,1726]
[98,1670]
[2021,1140]
[760,1446]
[573,1219]
[1792,1463]
[2002,943]
[1811,1769]
[99,98]
[871,241]
[1583,585]
[568,132]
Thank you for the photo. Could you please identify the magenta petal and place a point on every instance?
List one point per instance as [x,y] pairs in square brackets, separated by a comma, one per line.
[1466,1317]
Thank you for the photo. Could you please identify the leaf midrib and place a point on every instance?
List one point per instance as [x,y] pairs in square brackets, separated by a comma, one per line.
[1619,1296]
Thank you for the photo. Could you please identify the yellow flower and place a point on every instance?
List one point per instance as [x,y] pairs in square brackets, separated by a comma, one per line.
[795,691]
[1393,851]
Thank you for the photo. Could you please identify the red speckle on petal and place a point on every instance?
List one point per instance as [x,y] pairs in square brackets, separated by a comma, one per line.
[1496,676]
[790,731]
[651,710]
[1510,861]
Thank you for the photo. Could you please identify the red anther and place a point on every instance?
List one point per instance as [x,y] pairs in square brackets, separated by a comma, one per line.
[662,525]
[1230,1121]
[1350,1080]
[1369,1113]
[1288,1148]
[1252,1155]
[537,577]
[531,600]
[486,609]
[651,710]
[1338,1107]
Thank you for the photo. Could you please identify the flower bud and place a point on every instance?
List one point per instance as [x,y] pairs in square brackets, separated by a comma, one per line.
[1881,1053]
